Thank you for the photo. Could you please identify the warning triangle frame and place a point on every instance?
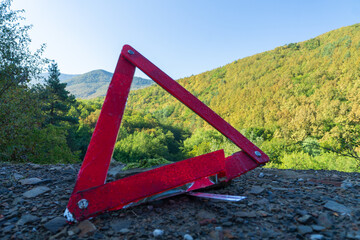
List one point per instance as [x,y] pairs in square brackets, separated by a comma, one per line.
[92,195]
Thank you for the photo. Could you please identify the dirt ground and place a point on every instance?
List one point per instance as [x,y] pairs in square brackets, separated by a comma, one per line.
[280,204]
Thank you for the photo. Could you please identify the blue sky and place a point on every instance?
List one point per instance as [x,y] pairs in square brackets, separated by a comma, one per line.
[182,37]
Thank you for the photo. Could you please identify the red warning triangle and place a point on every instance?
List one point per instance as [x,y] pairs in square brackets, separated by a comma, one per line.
[92,195]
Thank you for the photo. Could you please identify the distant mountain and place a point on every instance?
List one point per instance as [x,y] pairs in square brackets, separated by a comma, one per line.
[95,83]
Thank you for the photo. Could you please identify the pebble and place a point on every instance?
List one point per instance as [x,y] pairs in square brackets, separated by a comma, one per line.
[36,192]
[17,176]
[55,224]
[188,237]
[27,218]
[124,231]
[86,228]
[317,228]
[256,190]
[337,207]
[30,181]
[324,220]
[316,237]
[158,233]
[304,219]
[304,229]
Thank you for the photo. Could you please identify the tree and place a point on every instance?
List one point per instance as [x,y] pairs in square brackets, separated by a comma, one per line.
[18,105]
[57,100]
[17,63]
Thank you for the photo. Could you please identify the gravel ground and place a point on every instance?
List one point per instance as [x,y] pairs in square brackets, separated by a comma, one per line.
[280,204]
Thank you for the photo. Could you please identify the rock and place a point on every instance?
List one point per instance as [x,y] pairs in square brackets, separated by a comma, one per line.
[227,224]
[113,171]
[188,237]
[262,202]
[245,214]
[203,215]
[124,231]
[17,201]
[120,224]
[17,176]
[256,190]
[27,218]
[30,181]
[86,228]
[316,237]
[301,212]
[337,207]
[55,224]
[304,219]
[8,228]
[304,229]
[353,235]
[261,175]
[324,220]
[317,228]
[36,192]
[158,233]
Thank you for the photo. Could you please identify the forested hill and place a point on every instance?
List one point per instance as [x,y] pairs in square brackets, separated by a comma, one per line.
[95,84]
[294,91]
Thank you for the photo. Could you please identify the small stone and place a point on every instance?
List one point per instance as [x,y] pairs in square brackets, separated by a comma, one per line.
[227,224]
[30,181]
[120,224]
[188,237]
[17,201]
[36,192]
[8,229]
[324,220]
[55,224]
[262,202]
[304,219]
[353,235]
[336,207]
[202,215]
[317,228]
[17,176]
[304,229]
[86,228]
[245,214]
[256,190]
[27,218]
[158,233]
[301,212]
[316,237]
[261,175]
[124,231]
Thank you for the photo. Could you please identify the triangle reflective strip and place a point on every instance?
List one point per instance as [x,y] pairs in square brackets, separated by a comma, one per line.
[92,196]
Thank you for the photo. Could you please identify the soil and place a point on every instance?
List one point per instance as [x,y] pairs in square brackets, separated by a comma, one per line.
[280,204]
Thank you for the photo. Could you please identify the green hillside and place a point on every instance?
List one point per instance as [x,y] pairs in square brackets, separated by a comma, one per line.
[300,93]
[95,84]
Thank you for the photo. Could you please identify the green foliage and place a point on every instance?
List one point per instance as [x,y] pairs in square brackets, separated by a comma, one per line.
[298,93]
[49,145]
[147,163]
[17,63]
[312,44]
[56,100]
